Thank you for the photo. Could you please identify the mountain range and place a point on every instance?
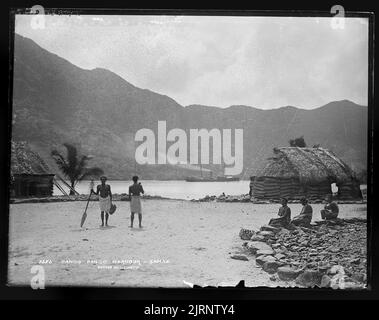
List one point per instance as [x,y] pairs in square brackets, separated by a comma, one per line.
[55,101]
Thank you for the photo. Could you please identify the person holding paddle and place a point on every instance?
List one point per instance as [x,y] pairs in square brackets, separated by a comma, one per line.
[135,191]
[105,199]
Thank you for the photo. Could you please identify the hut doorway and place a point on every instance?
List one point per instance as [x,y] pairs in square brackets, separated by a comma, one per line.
[334,188]
[33,190]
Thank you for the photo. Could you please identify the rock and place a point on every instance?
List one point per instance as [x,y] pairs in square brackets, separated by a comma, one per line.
[337,281]
[351,286]
[246,234]
[312,265]
[283,231]
[336,269]
[355,261]
[273,277]
[270,228]
[239,257]
[288,273]
[325,281]
[309,279]
[358,277]
[266,252]
[261,260]
[279,256]
[266,234]
[257,237]
[323,268]
[270,266]
[334,249]
[254,246]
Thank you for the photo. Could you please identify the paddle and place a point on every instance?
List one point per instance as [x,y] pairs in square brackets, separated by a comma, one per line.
[84,216]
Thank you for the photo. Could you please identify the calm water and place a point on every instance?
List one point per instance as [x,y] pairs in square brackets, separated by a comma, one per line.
[177,189]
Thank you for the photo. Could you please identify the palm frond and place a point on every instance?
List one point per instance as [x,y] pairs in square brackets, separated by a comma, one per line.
[74,167]
[94,171]
[82,164]
[60,161]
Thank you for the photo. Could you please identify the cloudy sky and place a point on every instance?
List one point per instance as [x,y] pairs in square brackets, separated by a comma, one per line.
[265,62]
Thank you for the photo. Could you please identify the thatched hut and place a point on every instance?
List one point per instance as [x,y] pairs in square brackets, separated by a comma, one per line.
[296,172]
[30,176]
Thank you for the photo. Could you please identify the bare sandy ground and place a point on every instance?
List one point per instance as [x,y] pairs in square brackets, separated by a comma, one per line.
[180,242]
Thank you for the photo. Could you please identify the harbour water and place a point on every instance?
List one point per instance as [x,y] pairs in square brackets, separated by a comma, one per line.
[173,189]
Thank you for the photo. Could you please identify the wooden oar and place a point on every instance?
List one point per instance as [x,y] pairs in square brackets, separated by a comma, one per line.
[84,216]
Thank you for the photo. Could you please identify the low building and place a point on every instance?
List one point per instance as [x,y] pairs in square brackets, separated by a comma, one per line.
[30,176]
[296,172]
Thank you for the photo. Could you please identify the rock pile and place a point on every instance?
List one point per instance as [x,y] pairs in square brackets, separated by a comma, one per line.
[328,254]
[225,198]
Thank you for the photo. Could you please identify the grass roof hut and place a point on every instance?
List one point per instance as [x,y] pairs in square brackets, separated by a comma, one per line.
[296,172]
[30,176]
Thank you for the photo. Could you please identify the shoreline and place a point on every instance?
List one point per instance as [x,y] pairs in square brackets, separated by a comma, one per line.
[83,197]
[125,197]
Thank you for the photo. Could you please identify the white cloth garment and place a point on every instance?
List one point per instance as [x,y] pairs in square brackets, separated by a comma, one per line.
[135,204]
[105,203]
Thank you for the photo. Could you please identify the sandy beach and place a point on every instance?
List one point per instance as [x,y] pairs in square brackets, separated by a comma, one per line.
[181,242]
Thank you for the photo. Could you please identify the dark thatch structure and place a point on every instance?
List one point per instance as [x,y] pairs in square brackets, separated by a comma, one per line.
[30,176]
[296,172]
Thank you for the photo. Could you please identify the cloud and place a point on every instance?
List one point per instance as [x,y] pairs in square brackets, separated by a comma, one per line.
[265,62]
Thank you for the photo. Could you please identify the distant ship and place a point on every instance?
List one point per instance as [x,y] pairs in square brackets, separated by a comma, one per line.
[199,179]
[210,178]
[227,179]
[218,179]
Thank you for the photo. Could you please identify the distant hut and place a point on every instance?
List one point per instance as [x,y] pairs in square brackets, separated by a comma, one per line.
[296,172]
[30,176]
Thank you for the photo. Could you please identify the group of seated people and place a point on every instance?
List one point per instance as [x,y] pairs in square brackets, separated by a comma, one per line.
[329,212]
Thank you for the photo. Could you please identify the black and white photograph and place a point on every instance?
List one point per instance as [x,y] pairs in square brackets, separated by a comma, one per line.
[182,150]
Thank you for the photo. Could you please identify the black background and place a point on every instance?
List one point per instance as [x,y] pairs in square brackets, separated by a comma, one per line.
[228,295]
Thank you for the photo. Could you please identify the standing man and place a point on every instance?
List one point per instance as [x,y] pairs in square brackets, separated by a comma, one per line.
[135,191]
[105,199]
[330,210]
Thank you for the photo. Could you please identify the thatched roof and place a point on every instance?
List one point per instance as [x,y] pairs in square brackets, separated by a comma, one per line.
[309,165]
[25,161]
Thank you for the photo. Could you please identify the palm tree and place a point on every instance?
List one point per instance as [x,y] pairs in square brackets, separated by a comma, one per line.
[73,166]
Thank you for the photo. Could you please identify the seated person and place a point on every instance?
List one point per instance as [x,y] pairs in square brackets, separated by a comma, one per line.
[330,210]
[305,216]
[284,215]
